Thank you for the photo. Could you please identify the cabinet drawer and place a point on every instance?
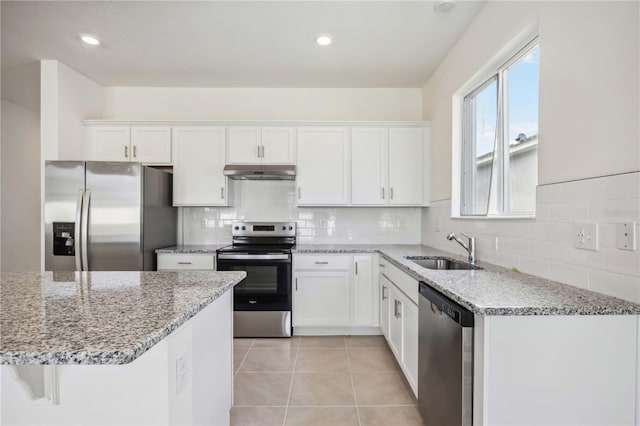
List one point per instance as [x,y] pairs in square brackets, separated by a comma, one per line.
[322,262]
[406,283]
[179,261]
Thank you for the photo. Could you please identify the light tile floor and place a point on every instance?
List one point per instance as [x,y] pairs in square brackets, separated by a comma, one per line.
[328,381]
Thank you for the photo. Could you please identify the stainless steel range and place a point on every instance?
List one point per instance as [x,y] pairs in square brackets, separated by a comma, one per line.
[262,302]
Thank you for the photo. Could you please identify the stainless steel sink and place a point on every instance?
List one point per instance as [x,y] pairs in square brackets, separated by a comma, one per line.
[434,262]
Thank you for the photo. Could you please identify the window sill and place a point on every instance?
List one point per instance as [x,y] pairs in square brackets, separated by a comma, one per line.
[506,217]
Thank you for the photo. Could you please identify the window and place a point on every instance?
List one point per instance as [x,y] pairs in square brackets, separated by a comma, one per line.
[500,140]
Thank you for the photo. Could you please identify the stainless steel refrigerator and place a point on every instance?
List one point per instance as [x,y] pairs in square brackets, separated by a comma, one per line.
[103,216]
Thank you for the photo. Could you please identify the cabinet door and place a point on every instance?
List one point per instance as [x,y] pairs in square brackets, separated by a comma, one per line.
[405,166]
[395,321]
[369,166]
[243,144]
[410,342]
[365,292]
[323,166]
[321,298]
[278,145]
[109,143]
[385,302]
[198,161]
[151,144]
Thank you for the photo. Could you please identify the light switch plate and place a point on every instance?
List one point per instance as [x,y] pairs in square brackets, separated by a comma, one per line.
[585,236]
[182,372]
[626,236]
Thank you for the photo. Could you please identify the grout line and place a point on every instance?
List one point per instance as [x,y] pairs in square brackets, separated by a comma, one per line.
[353,386]
[327,406]
[293,375]
[235,373]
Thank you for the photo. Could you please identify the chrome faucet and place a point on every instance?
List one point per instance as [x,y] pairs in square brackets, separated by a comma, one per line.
[470,247]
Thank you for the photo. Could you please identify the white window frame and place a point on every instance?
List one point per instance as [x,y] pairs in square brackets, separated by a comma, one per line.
[515,52]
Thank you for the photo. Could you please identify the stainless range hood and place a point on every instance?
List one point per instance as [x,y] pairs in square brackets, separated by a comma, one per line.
[260,172]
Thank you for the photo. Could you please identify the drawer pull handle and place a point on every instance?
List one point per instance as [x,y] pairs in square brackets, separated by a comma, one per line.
[184,263]
[322,263]
[381,265]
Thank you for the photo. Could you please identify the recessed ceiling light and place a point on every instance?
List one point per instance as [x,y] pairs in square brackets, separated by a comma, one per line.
[323,40]
[444,7]
[89,39]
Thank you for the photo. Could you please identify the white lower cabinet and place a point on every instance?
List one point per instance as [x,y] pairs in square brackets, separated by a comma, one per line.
[186,261]
[399,319]
[321,298]
[335,293]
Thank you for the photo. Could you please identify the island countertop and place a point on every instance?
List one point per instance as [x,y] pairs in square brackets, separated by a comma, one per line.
[99,317]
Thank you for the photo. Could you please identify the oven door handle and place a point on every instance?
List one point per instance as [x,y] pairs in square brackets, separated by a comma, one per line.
[223,256]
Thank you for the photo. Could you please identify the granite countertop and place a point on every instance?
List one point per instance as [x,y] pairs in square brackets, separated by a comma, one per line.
[192,248]
[494,290]
[99,317]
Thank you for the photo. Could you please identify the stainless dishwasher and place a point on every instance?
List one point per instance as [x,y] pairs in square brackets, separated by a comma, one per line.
[445,360]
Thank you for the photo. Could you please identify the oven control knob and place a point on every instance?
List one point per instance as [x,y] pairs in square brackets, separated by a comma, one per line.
[291,228]
[284,228]
[244,228]
[236,228]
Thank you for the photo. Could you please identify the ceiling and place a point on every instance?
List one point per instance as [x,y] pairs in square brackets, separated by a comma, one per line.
[229,44]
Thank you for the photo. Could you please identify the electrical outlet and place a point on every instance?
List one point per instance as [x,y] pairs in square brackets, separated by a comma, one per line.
[182,372]
[323,223]
[626,236]
[585,236]
[204,222]
[439,225]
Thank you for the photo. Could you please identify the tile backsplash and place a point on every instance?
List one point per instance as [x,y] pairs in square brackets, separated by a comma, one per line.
[544,246]
[275,201]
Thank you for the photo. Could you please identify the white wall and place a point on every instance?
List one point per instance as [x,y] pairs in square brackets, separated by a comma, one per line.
[67,98]
[588,111]
[276,200]
[164,103]
[20,188]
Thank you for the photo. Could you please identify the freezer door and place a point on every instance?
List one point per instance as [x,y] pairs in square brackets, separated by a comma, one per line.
[113,206]
[64,185]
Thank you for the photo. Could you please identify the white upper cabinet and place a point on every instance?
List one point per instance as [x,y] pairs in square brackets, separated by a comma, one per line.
[243,145]
[323,166]
[369,166]
[151,144]
[261,145]
[109,143]
[405,166]
[386,166]
[145,144]
[278,145]
[198,163]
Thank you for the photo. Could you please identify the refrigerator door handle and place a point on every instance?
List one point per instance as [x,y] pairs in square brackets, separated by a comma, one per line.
[85,229]
[78,231]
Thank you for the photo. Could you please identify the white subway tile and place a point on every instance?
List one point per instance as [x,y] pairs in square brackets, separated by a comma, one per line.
[507,260]
[623,186]
[584,190]
[576,276]
[513,245]
[622,261]
[568,212]
[534,266]
[622,286]
[549,194]
[612,211]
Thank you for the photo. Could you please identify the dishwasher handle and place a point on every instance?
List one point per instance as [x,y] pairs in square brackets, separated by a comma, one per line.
[453,310]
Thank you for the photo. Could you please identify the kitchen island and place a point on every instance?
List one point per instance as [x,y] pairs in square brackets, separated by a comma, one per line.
[116,347]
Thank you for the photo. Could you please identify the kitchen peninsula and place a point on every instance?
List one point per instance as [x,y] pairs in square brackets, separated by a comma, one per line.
[116,347]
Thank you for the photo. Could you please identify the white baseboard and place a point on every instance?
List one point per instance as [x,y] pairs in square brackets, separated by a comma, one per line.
[337,331]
